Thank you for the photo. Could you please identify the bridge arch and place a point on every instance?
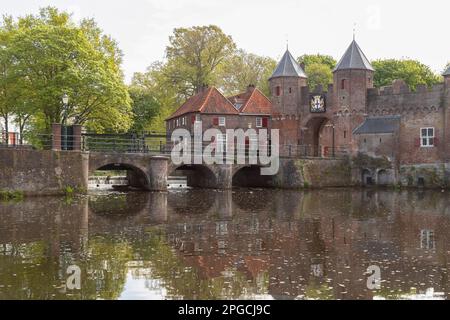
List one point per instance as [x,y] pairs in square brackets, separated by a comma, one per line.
[137,177]
[250,176]
[198,175]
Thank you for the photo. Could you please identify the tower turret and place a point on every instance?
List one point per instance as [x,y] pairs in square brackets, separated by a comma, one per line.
[353,75]
[285,85]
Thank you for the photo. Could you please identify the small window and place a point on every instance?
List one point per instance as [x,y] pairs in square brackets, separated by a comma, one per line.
[365,141]
[427,137]
[278,91]
[290,90]
[222,121]
[177,123]
[197,118]
[183,121]
[345,136]
[259,122]
[343,84]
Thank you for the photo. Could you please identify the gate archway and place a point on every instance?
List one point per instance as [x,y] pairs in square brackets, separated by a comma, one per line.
[318,137]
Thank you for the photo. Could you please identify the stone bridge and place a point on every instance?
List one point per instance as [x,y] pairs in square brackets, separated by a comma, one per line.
[150,172]
[48,172]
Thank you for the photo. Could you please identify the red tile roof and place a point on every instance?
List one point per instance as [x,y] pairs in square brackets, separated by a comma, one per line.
[208,101]
[257,103]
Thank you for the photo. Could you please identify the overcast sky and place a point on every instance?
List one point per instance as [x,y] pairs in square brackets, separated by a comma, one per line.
[385,28]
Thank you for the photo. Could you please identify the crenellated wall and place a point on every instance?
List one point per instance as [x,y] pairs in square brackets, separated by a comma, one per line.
[398,99]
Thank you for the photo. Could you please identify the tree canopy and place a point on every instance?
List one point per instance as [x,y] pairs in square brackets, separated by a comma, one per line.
[193,56]
[242,69]
[411,71]
[51,56]
[319,69]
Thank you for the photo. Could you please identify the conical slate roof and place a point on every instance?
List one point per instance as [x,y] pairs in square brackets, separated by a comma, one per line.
[447,72]
[354,58]
[288,67]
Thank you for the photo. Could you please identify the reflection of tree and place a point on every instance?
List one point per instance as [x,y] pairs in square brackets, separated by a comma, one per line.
[31,271]
[106,268]
[182,281]
[315,291]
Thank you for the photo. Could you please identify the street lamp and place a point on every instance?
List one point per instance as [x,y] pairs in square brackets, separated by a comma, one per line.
[65,101]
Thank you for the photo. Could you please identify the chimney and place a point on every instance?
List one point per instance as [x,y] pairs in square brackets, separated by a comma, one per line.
[250,87]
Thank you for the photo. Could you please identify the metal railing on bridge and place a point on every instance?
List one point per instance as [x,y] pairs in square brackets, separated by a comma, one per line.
[160,144]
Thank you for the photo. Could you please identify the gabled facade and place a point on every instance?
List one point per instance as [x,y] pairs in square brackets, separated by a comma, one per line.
[247,110]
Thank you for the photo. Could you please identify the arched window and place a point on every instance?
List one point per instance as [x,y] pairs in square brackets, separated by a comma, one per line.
[343,84]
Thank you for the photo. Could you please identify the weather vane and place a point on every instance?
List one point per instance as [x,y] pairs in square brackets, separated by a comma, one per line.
[354,30]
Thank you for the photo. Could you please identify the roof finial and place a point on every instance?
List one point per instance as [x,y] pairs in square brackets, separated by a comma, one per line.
[287,42]
[354,31]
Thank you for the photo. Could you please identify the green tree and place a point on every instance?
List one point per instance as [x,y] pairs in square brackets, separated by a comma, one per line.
[8,87]
[319,69]
[53,56]
[144,106]
[156,83]
[193,56]
[411,71]
[242,69]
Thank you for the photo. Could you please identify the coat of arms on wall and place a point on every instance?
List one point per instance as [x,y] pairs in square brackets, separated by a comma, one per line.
[317,103]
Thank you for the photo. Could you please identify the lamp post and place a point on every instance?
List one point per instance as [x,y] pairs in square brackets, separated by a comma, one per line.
[65,101]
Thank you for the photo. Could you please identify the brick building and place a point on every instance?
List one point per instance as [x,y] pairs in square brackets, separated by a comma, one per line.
[406,128]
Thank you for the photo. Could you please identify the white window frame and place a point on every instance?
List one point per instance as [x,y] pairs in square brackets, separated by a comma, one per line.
[222,121]
[221,142]
[183,121]
[427,140]
[259,122]
[198,118]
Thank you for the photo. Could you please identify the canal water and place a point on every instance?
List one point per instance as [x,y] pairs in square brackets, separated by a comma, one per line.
[249,244]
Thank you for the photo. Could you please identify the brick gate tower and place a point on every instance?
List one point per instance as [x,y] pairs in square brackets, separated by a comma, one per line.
[286,86]
[352,77]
